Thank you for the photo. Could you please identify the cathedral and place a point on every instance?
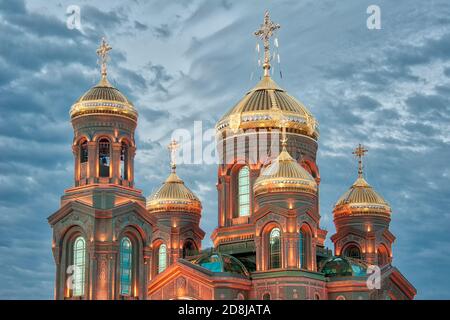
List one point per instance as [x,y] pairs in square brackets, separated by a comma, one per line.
[110,241]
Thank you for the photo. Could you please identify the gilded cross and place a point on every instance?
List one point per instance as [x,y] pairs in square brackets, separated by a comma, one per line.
[264,33]
[102,53]
[173,147]
[283,125]
[360,152]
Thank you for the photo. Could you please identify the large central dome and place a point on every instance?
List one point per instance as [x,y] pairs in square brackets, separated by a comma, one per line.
[264,105]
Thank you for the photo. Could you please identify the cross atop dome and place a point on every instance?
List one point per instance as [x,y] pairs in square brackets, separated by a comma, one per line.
[173,147]
[283,125]
[360,152]
[102,53]
[264,33]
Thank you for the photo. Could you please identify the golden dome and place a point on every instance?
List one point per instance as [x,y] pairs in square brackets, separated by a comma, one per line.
[103,98]
[264,105]
[285,174]
[361,199]
[173,195]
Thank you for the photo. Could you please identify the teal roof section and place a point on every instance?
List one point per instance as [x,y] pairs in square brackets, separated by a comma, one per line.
[343,267]
[220,262]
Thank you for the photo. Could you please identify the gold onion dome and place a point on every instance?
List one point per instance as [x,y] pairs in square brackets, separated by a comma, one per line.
[284,174]
[173,195]
[361,198]
[263,105]
[103,98]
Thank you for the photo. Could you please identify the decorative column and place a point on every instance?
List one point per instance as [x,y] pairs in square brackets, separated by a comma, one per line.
[76,171]
[131,154]
[148,254]
[221,206]
[92,162]
[115,163]
[228,208]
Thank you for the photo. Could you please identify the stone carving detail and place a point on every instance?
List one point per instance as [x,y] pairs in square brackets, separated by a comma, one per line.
[181,283]
[102,273]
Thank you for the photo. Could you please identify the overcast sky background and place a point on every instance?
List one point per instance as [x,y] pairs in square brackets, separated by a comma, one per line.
[185,61]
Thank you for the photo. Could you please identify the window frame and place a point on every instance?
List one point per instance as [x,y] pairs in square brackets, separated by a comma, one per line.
[274,257]
[243,198]
[130,267]
[79,270]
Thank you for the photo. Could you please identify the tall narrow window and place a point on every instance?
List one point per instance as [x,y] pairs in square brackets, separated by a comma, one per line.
[275,248]
[301,249]
[124,161]
[83,152]
[104,157]
[162,258]
[126,266]
[244,192]
[79,262]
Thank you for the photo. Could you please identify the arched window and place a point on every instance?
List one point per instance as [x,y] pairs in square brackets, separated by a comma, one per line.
[79,263]
[104,157]
[189,249]
[244,192]
[266,296]
[301,249]
[382,255]
[316,296]
[275,248]
[126,266]
[162,258]
[352,251]
[84,152]
[124,161]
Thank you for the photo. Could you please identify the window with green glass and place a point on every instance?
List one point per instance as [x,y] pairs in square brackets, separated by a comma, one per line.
[301,249]
[275,248]
[244,192]
[162,258]
[126,266]
[79,263]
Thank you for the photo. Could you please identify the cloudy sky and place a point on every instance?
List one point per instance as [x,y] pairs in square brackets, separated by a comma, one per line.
[184,61]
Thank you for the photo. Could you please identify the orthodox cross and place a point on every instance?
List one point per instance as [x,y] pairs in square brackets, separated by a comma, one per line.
[173,147]
[264,33]
[102,53]
[283,124]
[360,152]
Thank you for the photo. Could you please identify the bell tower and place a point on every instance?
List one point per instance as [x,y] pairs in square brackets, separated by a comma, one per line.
[102,231]
[362,218]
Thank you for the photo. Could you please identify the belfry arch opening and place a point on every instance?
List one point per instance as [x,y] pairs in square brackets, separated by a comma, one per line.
[124,161]
[104,157]
[352,251]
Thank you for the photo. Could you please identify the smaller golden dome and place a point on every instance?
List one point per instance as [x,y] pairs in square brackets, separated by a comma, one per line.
[173,195]
[361,199]
[103,98]
[285,174]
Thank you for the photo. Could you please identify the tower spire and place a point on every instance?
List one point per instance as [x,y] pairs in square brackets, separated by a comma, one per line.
[360,152]
[173,147]
[102,53]
[264,33]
